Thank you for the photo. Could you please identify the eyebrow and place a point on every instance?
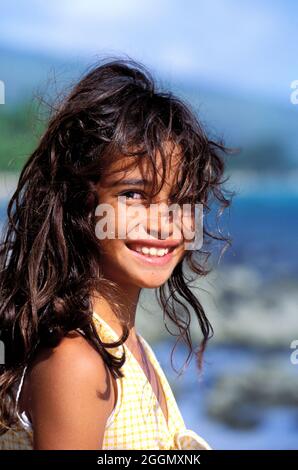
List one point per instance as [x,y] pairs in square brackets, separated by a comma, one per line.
[130,182]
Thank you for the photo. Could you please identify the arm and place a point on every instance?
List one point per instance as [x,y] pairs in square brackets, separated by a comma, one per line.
[71,396]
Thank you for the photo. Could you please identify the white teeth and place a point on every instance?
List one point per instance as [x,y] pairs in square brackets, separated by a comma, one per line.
[161,252]
[152,251]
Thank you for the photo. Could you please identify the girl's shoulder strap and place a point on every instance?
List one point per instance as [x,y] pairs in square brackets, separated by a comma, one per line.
[107,335]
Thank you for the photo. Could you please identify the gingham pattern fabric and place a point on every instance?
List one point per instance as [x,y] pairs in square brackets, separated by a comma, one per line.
[137,421]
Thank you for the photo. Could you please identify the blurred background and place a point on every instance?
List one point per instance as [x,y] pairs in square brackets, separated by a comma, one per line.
[234,63]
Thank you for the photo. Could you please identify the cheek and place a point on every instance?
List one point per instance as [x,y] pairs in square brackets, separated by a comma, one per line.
[180,255]
[111,247]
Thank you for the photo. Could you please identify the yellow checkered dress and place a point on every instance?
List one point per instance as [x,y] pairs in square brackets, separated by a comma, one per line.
[137,421]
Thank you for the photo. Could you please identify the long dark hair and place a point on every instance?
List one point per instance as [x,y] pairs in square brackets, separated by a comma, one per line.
[50,258]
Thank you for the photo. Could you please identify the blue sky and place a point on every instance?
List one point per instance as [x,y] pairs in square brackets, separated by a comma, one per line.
[248,45]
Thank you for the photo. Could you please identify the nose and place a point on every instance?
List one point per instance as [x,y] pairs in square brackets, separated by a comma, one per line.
[160,221]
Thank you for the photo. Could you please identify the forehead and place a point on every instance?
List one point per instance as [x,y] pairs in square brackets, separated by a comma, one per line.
[167,164]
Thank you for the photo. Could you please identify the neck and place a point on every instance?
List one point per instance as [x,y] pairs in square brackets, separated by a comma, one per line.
[129,300]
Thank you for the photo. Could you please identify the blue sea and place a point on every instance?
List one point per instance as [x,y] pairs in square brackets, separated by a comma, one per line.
[264,229]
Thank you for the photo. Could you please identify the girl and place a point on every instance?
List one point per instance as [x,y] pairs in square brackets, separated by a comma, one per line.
[77,374]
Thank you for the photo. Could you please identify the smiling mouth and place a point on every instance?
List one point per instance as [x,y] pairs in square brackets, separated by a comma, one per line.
[150,248]
[153,253]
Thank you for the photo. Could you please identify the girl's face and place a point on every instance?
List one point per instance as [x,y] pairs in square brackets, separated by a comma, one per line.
[141,245]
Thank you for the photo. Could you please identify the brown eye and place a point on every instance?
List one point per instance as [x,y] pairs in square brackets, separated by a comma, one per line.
[128,194]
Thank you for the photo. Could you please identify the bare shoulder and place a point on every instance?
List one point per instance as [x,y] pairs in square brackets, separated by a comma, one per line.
[73,359]
[70,395]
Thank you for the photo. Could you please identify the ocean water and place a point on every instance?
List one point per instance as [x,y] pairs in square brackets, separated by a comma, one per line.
[264,229]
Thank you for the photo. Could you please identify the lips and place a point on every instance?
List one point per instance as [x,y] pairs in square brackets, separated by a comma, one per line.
[158,244]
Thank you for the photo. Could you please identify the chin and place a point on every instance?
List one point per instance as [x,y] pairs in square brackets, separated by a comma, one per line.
[147,282]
